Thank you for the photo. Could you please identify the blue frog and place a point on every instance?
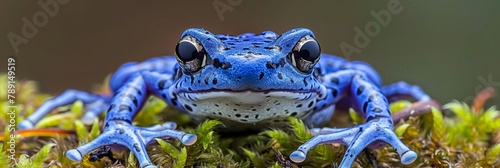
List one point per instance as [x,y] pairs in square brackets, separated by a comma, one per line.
[249,81]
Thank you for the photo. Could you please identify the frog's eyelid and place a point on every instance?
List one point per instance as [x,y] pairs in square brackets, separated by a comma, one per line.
[304,40]
[292,59]
[204,61]
[192,40]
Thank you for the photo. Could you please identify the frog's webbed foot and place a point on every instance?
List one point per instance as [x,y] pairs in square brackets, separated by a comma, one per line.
[357,138]
[132,137]
[95,105]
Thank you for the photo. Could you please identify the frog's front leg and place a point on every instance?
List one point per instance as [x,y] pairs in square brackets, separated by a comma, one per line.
[124,106]
[378,127]
[97,103]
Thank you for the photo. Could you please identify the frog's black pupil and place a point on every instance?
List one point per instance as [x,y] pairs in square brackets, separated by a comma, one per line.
[186,51]
[310,51]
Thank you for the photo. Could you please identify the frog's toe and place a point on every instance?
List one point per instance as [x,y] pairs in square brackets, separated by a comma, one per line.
[407,156]
[166,125]
[297,156]
[78,153]
[340,135]
[186,139]
[132,137]
[74,155]
[26,124]
[94,110]
[89,118]
[377,131]
[189,139]
[356,139]
[363,139]
[319,131]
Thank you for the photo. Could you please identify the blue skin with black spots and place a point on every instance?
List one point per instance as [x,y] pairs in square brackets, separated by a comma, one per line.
[250,81]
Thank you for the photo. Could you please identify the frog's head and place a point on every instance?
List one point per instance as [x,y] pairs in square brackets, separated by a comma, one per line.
[248,77]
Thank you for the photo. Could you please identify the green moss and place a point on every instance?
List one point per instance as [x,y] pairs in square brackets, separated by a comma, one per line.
[462,137]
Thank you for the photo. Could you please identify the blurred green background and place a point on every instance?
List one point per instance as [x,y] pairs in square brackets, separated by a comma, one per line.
[449,48]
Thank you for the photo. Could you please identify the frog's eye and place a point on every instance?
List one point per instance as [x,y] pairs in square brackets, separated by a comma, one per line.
[305,54]
[190,54]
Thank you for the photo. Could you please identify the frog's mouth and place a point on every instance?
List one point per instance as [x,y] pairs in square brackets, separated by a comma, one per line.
[249,96]
[250,106]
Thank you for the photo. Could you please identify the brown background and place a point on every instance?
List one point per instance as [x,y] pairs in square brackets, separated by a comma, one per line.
[444,46]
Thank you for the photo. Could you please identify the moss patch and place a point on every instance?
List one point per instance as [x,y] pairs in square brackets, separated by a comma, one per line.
[457,136]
